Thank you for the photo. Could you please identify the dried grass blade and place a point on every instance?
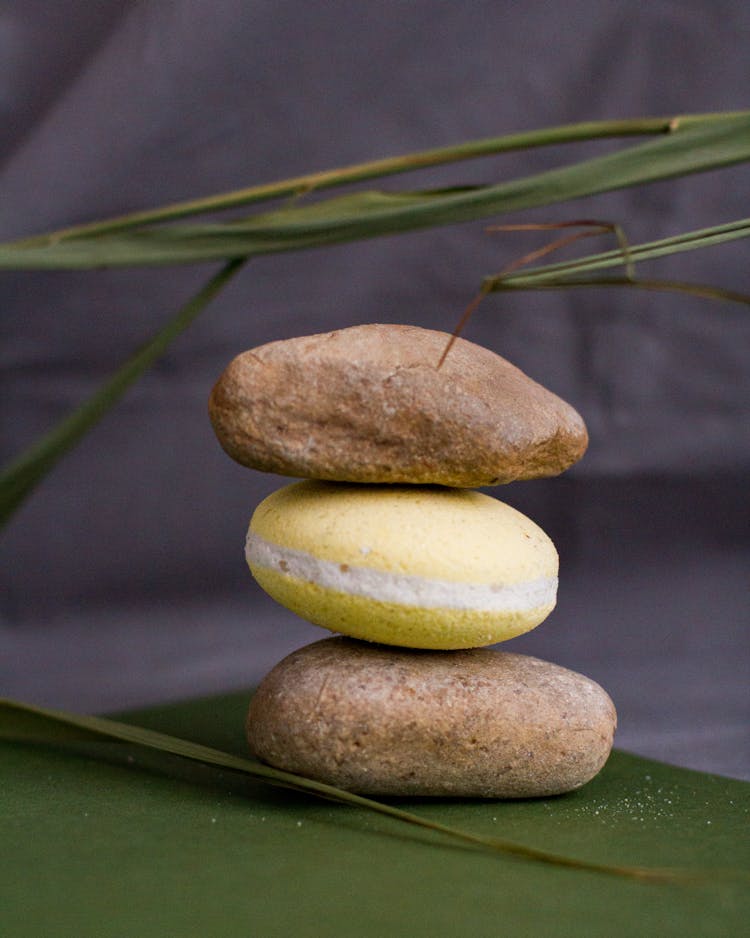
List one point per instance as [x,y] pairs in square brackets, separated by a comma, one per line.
[592,227]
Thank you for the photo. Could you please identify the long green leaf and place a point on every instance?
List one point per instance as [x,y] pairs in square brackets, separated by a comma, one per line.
[371,214]
[22,475]
[375,169]
[27,723]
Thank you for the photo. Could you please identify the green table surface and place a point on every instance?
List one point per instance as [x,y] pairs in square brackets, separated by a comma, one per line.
[109,840]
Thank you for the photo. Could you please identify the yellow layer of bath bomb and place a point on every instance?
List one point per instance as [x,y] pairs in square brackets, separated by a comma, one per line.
[403,565]
[441,533]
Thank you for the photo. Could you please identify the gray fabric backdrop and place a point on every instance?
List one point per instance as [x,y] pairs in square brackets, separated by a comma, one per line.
[123,580]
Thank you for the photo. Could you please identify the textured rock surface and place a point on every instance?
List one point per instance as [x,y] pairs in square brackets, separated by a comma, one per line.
[368,404]
[478,723]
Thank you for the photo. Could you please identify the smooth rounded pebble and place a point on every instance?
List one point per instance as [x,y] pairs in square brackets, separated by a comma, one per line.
[369,404]
[472,724]
[418,566]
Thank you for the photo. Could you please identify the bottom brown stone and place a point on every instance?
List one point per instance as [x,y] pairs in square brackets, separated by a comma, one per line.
[390,721]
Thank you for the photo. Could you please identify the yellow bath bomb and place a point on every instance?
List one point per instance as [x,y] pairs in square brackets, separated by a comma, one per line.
[421,567]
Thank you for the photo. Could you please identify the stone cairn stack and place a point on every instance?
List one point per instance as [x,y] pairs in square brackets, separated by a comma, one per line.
[388,544]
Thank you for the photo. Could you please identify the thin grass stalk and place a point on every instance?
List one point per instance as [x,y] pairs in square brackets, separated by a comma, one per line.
[554,273]
[25,473]
[555,276]
[701,290]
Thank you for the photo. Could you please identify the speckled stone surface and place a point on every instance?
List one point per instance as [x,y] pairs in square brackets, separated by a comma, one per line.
[477,723]
[369,404]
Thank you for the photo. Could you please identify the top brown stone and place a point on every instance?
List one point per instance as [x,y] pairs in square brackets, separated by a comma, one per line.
[369,404]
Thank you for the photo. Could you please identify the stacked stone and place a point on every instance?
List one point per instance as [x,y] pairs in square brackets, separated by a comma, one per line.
[388,544]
